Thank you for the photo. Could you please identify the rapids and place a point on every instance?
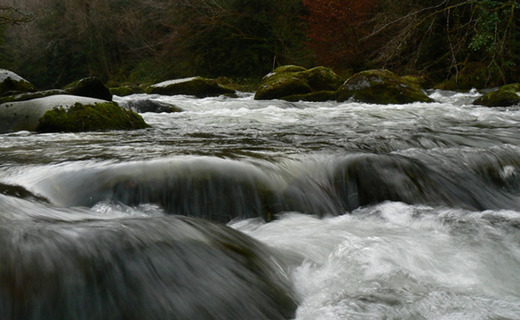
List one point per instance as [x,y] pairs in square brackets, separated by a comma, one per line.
[236,208]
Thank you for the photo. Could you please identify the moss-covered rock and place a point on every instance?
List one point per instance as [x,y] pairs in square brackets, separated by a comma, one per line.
[91,87]
[25,115]
[90,117]
[11,83]
[291,82]
[31,95]
[196,86]
[502,97]
[380,87]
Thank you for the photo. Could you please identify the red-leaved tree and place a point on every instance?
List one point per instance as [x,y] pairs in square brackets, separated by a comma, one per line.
[337,31]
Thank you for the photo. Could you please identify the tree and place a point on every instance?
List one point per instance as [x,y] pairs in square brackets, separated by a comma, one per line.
[337,29]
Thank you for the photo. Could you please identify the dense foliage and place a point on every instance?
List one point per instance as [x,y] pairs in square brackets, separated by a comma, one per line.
[53,42]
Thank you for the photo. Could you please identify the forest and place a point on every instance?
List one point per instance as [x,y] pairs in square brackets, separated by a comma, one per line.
[54,42]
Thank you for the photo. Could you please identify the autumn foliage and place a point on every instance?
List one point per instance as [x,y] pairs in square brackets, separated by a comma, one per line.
[337,31]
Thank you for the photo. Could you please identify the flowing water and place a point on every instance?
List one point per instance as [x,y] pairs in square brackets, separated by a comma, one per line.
[244,209]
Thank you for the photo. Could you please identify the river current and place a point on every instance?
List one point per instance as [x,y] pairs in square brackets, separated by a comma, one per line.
[243,209]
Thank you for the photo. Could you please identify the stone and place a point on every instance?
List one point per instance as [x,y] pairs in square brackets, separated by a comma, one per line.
[504,96]
[11,83]
[148,105]
[196,86]
[380,87]
[292,82]
[91,87]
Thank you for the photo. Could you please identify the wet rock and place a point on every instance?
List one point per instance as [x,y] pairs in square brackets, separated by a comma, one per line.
[32,95]
[293,82]
[380,87]
[25,115]
[502,97]
[90,117]
[196,86]
[91,87]
[11,83]
[148,105]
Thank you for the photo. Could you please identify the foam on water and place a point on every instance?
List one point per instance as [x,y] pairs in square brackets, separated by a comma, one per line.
[399,261]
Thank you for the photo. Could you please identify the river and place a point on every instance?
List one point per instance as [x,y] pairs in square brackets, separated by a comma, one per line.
[242,209]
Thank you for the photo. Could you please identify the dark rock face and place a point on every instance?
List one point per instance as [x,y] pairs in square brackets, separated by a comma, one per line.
[11,83]
[95,117]
[148,105]
[505,96]
[294,83]
[380,87]
[91,87]
[197,86]
[155,268]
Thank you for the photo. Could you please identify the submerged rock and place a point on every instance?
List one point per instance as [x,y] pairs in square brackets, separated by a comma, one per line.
[148,105]
[196,86]
[137,268]
[380,87]
[11,83]
[91,87]
[294,82]
[90,117]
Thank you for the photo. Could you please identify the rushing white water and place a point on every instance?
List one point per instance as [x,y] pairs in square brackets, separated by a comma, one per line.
[371,211]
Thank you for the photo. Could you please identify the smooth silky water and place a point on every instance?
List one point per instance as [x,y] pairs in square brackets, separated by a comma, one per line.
[244,209]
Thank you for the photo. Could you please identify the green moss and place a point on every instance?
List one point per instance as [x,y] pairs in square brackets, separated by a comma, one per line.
[512,87]
[10,86]
[380,87]
[31,95]
[96,117]
[498,98]
[126,90]
[289,81]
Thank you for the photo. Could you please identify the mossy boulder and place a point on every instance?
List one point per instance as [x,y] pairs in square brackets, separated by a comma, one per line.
[25,115]
[91,87]
[31,95]
[90,117]
[11,83]
[196,86]
[380,87]
[502,97]
[291,82]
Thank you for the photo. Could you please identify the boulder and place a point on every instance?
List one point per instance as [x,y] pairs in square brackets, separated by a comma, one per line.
[380,87]
[90,117]
[148,105]
[11,83]
[26,115]
[31,95]
[196,86]
[291,82]
[502,97]
[91,87]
